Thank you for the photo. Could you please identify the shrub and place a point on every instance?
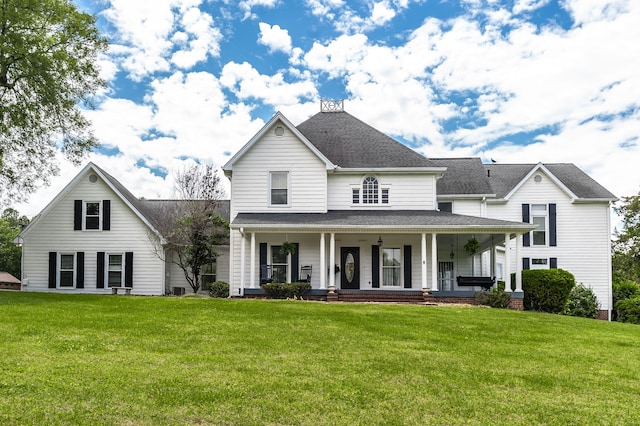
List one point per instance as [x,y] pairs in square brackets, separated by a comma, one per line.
[286,290]
[219,289]
[628,310]
[582,303]
[547,290]
[496,298]
[623,290]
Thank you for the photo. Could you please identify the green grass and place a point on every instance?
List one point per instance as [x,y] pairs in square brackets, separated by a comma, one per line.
[72,359]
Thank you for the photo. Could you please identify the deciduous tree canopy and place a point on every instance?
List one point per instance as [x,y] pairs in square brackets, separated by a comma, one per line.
[626,246]
[48,57]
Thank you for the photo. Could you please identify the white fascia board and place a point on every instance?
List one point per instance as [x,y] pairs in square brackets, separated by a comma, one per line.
[453,197]
[403,170]
[228,167]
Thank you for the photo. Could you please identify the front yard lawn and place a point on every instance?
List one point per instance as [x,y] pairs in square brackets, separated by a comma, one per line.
[80,359]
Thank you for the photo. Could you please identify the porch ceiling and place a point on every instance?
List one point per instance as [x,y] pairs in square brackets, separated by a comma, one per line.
[375,220]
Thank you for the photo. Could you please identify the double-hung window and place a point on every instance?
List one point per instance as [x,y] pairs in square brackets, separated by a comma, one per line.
[391,267]
[92,215]
[66,270]
[115,270]
[279,265]
[208,274]
[539,217]
[279,188]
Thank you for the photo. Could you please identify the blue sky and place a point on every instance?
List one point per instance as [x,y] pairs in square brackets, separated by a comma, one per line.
[519,81]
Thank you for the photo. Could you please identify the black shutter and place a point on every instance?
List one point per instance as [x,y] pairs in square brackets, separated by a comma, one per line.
[407,266]
[525,263]
[106,215]
[526,238]
[294,264]
[100,270]
[553,263]
[553,241]
[53,260]
[375,266]
[263,260]
[80,269]
[77,215]
[128,269]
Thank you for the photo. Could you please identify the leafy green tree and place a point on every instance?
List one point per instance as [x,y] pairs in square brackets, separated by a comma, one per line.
[194,226]
[48,71]
[626,245]
[10,254]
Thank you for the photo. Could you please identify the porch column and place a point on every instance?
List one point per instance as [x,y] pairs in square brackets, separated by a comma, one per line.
[423,252]
[434,262]
[252,257]
[332,261]
[518,263]
[323,263]
[507,262]
[242,262]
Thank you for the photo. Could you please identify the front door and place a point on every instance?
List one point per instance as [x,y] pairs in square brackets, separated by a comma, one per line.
[350,268]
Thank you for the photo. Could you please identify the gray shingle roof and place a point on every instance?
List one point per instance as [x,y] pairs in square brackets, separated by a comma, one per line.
[373,218]
[351,143]
[505,177]
[464,176]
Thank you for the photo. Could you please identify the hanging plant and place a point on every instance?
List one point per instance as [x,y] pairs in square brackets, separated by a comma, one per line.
[287,248]
[472,246]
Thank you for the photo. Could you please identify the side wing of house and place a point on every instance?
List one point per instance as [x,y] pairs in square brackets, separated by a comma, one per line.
[573,233]
[89,239]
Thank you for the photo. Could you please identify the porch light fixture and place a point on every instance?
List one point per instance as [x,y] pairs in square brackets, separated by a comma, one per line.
[379,241]
[452,254]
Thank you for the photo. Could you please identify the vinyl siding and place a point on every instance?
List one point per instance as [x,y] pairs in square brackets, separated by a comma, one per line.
[406,192]
[307,176]
[54,233]
[175,274]
[583,234]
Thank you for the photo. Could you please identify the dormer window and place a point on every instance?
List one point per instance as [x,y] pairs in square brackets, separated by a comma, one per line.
[369,192]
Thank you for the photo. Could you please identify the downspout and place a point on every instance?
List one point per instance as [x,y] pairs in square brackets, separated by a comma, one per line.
[242,262]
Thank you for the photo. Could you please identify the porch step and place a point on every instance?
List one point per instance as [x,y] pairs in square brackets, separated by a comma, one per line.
[381,296]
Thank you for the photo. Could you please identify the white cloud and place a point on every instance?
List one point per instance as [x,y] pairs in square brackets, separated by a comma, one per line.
[248,5]
[275,38]
[528,5]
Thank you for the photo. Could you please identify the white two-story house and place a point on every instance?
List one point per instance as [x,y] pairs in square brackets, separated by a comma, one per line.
[369,216]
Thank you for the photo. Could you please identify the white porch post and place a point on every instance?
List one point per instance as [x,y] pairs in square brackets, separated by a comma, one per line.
[424,261]
[332,261]
[518,263]
[252,257]
[507,262]
[434,262]
[323,263]
[242,262]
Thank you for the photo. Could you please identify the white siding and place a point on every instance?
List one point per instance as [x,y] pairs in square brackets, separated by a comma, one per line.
[406,192]
[176,278]
[307,176]
[583,234]
[468,207]
[54,233]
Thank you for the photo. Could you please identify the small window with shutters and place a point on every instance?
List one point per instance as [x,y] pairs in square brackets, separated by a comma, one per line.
[66,270]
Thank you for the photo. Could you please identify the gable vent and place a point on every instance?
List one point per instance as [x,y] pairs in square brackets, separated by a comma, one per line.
[93,178]
[279,130]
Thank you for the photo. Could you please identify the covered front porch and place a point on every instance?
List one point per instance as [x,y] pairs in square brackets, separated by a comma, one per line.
[393,254]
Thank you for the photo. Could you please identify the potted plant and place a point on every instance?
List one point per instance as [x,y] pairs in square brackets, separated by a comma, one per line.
[287,248]
[472,246]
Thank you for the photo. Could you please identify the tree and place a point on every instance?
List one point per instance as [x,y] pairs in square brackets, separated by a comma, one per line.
[10,254]
[197,227]
[626,245]
[48,70]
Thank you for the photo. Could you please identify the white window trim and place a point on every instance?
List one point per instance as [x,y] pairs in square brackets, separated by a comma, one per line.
[288,264]
[400,267]
[84,215]
[545,265]
[106,269]
[546,225]
[59,270]
[360,187]
[288,203]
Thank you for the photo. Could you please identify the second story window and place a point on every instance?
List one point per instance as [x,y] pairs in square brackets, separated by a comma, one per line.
[92,215]
[369,192]
[539,217]
[279,182]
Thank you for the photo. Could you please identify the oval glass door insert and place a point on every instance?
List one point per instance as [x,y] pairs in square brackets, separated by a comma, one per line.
[349,267]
